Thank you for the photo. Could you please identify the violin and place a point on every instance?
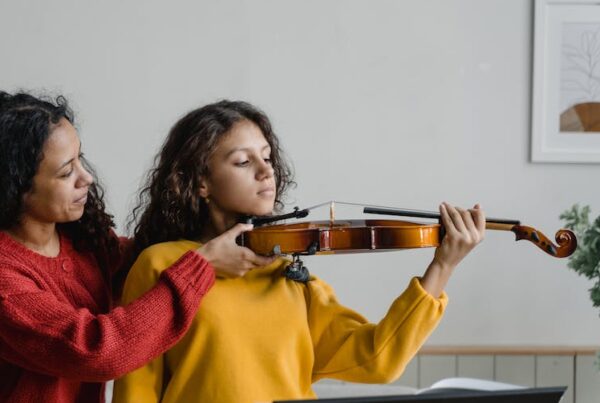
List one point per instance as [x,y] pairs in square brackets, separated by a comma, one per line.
[366,235]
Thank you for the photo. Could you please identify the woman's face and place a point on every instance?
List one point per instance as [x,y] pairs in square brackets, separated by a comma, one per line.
[241,179]
[60,186]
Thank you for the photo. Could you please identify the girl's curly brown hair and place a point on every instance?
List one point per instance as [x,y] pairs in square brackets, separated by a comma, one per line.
[169,205]
[26,122]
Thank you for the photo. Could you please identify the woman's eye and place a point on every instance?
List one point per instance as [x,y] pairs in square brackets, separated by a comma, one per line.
[268,160]
[242,163]
[67,174]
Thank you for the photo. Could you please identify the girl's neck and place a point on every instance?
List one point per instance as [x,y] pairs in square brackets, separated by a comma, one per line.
[42,238]
[217,224]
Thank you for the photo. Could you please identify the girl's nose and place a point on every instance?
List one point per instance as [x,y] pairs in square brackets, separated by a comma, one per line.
[265,171]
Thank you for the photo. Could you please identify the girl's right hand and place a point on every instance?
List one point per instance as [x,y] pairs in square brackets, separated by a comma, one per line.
[228,258]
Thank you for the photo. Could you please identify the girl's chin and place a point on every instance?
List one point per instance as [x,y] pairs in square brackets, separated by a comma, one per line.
[261,212]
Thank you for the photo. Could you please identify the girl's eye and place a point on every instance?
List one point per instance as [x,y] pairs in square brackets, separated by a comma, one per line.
[242,164]
[66,175]
[268,160]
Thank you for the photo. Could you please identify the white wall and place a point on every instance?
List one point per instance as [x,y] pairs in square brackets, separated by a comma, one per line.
[400,103]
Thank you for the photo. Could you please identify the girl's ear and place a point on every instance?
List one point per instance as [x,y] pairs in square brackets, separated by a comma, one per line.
[204,193]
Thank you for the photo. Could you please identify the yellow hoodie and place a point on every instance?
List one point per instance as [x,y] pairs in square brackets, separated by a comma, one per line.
[264,337]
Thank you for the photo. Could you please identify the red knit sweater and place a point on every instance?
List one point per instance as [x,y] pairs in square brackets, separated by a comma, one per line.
[60,340]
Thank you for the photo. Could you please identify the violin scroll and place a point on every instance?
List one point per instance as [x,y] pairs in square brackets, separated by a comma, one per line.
[566,240]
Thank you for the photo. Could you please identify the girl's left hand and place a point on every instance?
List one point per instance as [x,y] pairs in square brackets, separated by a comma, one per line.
[464,230]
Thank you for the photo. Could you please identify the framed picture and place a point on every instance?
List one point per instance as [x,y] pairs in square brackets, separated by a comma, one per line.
[566,82]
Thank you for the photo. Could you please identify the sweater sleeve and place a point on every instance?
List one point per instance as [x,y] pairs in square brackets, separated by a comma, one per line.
[348,347]
[42,333]
[119,266]
[145,384]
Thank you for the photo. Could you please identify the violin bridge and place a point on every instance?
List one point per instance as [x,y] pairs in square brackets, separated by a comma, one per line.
[373,240]
[331,213]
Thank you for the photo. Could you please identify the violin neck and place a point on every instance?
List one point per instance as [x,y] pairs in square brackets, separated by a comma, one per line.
[499,226]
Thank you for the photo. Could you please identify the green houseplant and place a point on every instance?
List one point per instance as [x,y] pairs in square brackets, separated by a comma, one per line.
[586,258]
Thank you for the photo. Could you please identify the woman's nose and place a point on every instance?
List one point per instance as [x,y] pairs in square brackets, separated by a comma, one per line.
[85,177]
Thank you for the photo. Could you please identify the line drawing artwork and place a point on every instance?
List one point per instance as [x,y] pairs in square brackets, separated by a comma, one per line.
[580,78]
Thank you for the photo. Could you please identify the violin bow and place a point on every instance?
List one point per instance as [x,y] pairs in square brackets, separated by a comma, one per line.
[565,239]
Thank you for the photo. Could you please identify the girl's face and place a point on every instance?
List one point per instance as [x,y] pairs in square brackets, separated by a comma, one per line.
[241,179]
[60,186]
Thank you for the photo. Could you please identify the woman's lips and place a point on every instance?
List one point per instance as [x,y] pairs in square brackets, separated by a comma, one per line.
[81,200]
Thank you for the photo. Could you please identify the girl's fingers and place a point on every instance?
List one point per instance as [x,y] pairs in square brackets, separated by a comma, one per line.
[446,220]
[468,220]
[456,218]
[478,218]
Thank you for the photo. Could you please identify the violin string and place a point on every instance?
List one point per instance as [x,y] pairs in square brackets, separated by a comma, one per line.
[329,203]
[424,213]
[405,212]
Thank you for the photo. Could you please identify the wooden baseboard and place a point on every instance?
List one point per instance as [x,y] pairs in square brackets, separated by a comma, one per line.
[509,350]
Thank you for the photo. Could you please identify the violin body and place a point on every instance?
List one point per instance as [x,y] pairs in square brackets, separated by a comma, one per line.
[341,236]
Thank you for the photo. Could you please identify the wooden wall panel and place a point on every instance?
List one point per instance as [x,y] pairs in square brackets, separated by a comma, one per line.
[556,371]
[575,368]
[587,379]
[432,368]
[516,369]
[475,366]
[410,377]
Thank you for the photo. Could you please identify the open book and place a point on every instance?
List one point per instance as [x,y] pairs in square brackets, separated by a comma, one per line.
[450,390]
[467,384]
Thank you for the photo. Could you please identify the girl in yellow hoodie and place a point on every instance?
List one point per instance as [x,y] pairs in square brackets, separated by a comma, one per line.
[260,336]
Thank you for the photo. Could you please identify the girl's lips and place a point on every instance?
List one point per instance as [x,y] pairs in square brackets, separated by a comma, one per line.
[267,192]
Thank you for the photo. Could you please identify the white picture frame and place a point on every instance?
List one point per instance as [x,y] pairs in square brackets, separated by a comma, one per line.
[565,124]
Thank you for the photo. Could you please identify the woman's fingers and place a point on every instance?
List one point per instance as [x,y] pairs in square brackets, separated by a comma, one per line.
[260,260]
[237,230]
[230,259]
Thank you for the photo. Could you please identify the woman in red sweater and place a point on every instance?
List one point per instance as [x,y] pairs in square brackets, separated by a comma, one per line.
[60,264]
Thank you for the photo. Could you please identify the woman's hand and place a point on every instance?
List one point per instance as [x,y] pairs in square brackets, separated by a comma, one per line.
[464,230]
[228,258]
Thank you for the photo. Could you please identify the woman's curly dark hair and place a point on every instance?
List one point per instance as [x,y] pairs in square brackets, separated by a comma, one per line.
[26,122]
[169,205]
